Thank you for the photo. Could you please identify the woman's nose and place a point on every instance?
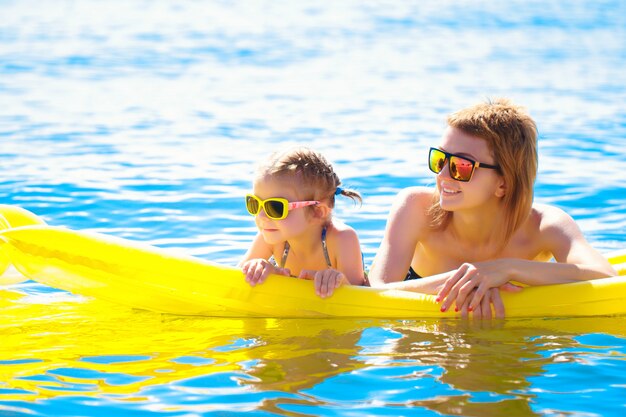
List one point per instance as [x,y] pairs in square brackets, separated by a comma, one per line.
[445,169]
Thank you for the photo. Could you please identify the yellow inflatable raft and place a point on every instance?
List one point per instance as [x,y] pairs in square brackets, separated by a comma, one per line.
[143,276]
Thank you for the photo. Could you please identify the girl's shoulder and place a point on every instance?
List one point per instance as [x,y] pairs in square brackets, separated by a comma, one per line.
[338,230]
[343,241]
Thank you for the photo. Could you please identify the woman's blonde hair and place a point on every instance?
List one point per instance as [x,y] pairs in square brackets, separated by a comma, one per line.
[315,176]
[511,135]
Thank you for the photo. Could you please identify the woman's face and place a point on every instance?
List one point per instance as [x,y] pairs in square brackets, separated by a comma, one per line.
[484,185]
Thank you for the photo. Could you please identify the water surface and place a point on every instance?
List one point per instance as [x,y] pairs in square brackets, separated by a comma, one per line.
[145,119]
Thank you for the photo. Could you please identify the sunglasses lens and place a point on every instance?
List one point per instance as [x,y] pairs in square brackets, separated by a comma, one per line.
[274,209]
[461,169]
[436,160]
[252,205]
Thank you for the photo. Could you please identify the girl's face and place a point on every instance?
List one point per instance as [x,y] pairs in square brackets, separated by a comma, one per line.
[485,184]
[297,222]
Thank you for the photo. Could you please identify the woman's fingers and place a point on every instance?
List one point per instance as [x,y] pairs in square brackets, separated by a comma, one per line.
[464,309]
[463,286]
[467,290]
[498,305]
[450,282]
[508,287]
[482,290]
[450,290]
[485,305]
[490,306]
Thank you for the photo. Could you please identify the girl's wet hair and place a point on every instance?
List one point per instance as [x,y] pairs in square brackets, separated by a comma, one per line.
[315,176]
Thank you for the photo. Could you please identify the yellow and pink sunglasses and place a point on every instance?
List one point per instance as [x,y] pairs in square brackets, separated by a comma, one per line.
[275,208]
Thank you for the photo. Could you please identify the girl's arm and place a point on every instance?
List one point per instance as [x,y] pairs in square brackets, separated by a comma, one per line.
[406,221]
[255,264]
[349,262]
[349,256]
[258,250]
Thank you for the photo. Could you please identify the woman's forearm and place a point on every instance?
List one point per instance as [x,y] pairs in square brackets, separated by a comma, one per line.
[427,285]
[546,273]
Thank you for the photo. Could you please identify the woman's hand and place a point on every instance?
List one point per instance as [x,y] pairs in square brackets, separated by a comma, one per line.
[257,271]
[326,281]
[484,311]
[470,283]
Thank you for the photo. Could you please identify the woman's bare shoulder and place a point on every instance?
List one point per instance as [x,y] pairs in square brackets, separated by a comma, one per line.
[416,192]
[553,225]
[546,216]
[414,198]
[409,215]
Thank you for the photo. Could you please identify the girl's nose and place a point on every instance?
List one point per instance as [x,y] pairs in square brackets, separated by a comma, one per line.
[262,214]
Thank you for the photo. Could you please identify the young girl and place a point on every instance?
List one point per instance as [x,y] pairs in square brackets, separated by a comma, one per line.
[479,228]
[292,202]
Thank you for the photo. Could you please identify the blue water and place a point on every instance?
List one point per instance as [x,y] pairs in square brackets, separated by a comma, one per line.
[145,119]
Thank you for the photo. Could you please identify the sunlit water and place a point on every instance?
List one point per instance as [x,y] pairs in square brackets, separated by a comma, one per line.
[145,119]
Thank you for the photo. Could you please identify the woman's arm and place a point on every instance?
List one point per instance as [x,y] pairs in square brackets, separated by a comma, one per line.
[406,222]
[427,285]
[576,260]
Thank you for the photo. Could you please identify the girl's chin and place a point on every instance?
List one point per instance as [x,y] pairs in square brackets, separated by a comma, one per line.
[271,236]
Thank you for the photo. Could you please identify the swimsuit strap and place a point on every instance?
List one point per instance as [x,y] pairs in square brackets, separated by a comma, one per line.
[324,248]
[283,261]
[412,274]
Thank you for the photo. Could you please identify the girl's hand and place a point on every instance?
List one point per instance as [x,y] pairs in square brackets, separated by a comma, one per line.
[470,283]
[257,271]
[326,281]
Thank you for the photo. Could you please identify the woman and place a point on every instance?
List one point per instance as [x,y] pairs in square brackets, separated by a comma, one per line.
[479,229]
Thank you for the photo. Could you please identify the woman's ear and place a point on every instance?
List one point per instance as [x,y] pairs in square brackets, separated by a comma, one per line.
[501,188]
